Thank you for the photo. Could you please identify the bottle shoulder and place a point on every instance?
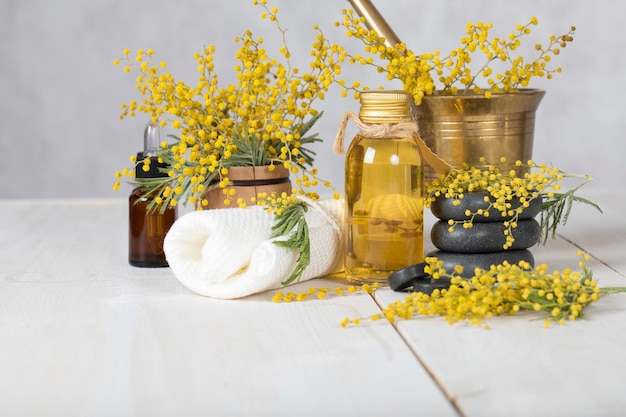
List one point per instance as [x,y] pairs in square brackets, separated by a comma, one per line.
[380,141]
[375,148]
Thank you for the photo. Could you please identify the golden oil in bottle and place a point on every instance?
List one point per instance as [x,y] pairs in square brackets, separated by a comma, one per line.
[384,193]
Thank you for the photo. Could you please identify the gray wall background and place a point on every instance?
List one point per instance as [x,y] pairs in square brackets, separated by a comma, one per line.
[60,94]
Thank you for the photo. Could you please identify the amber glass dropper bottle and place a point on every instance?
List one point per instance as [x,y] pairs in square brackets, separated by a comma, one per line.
[147,226]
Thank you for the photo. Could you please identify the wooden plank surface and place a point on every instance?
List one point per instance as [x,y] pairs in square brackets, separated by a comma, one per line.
[603,235]
[84,333]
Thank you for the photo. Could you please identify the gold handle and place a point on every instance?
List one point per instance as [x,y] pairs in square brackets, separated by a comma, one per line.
[375,21]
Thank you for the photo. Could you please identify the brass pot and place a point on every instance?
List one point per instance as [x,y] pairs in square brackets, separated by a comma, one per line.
[248,182]
[465,127]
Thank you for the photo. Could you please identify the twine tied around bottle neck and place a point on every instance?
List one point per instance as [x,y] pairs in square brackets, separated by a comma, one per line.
[402,129]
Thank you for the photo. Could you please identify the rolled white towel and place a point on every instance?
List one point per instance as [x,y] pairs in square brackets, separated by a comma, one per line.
[228,253]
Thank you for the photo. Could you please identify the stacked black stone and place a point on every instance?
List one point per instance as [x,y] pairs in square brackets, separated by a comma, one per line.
[482,245]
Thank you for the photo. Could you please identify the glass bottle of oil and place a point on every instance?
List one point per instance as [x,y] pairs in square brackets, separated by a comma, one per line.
[384,191]
[147,226]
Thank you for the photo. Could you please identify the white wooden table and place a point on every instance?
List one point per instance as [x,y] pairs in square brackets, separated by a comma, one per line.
[82,333]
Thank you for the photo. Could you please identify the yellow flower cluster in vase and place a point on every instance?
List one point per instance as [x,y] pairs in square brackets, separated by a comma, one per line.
[424,74]
[262,119]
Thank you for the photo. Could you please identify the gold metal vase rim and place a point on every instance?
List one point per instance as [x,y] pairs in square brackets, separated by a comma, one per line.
[522,91]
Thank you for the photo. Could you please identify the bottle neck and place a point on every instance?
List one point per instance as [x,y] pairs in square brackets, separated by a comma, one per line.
[404,128]
[386,121]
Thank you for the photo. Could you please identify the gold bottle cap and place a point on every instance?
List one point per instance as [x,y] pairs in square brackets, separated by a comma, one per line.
[386,106]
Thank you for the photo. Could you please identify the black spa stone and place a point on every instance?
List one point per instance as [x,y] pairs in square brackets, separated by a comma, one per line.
[444,208]
[428,285]
[471,261]
[483,237]
[403,278]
